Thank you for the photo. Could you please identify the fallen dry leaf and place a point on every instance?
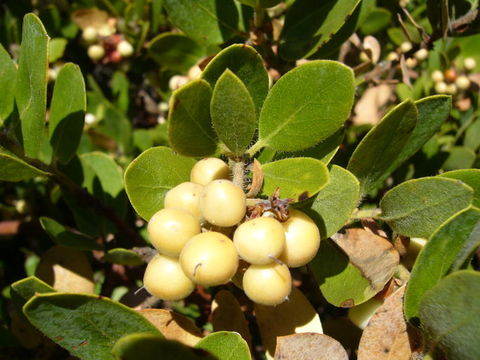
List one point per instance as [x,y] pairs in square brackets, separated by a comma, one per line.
[90,17]
[368,109]
[173,326]
[294,316]
[309,346]
[386,336]
[228,316]
[66,270]
[372,45]
[373,255]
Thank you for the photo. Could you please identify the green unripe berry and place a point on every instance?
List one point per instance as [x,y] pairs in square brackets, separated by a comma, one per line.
[302,239]
[209,259]
[165,279]
[170,229]
[209,169]
[223,203]
[186,197]
[260,241]
[267,284]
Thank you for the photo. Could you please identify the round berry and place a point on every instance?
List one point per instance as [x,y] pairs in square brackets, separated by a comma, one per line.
[170,229]
[209,169]
[177,81]
[451,89]
[125,48]
[450,75]
[392,56]
[411,63]
[209,259]
[185,196]
[469,63]
[421,54]
[260,241]
[302,239]
[406,46]
[89,34]
[267,284]
[462,82]
[96,52]
[165,279]
[437,76]
[441,87]
[106,30]
[223,203]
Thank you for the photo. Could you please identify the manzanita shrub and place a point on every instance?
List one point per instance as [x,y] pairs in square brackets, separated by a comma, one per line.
[242,179]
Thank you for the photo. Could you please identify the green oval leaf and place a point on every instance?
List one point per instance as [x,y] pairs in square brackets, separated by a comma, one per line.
[151,175]
[65,237]
[449,315]
[189,124]
[209,22]
[67,112]
[225,345]
[310,24]
[445,251]
[374,158]
[15,169]
[175,51]
[245,62]
[416,208]
[23,290]
[471,177]
[56,48]
[8,73]
[123,257]
[342,194]
[307,105]
[297,178]
[88,326]
[233,113]
[146,346]
[31,83]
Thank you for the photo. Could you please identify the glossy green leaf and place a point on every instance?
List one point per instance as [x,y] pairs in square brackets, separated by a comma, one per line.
[151,175]
[56,48]
[297,178]
[175,51]
[67,112]
[144,346]
[65,237]
[8,73]
[246,64]
[471,177]
[374,158]
[334,204]
[116,126]
[208,22]
[15,169]
[88,326]
[341,283]
[459,158]
[416,208]
[310,24]
[189,124]
[123,257]
[377,20]
[31,83]
[472,135]
[225,345]
[449,315]
[233,113]
[23,290]
[446,250]
[260,3]
[307,105]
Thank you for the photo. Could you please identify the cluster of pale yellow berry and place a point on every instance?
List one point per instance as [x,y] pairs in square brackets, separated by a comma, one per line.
[105,45]
[205,230]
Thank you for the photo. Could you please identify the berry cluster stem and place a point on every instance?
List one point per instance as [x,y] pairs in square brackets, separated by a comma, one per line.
[238,172]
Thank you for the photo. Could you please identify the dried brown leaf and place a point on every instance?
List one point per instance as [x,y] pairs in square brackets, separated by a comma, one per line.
[309,346]
[173,326]
[257,179]
[373,255]
[372,46]
[368,109]
[90,17]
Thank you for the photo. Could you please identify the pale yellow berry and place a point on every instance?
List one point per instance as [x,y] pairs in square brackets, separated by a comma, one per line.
[89,34]
[177,81]
[406,46]
[411,63]
[165,279]
[451,89]
[106,30]
[260,241]
[267,284]
[437,76]
[469,63]
[209,169]
[209,259]
[361,314]
[125,48]
[194,72]
[421,54]
[223,203]
[96,52]
[185,196]
[302,239]
[441,88]
[392,56]
[462,82]
[170,229]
